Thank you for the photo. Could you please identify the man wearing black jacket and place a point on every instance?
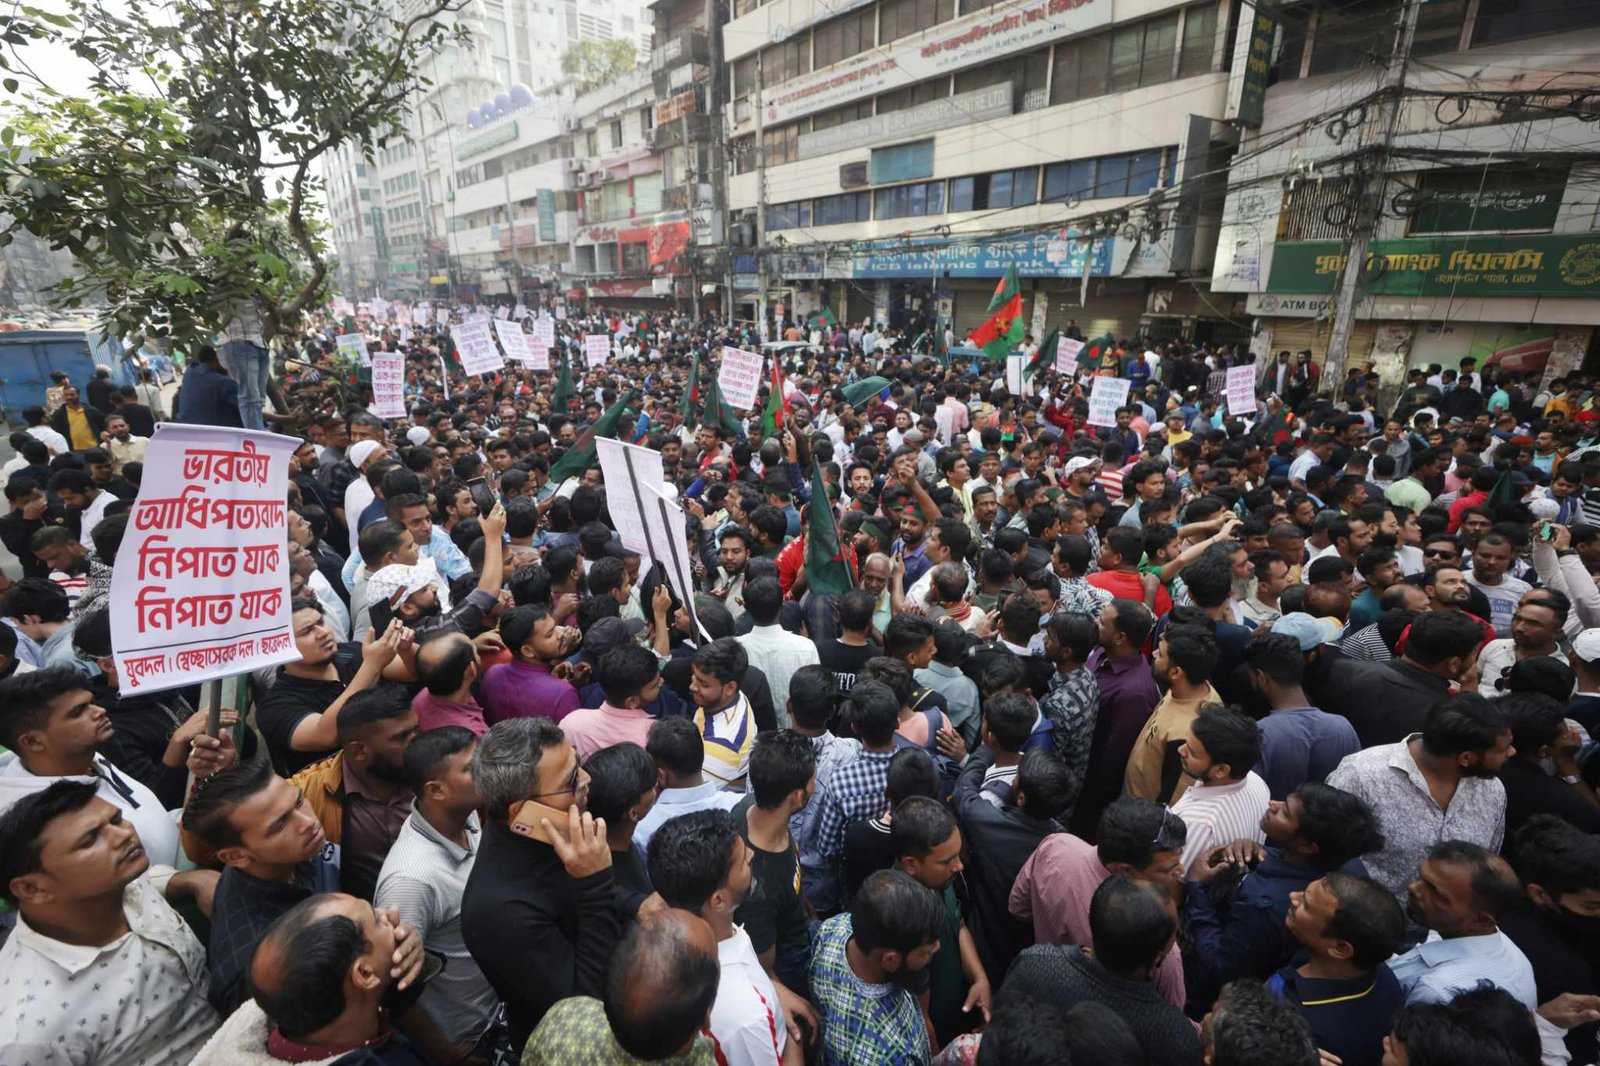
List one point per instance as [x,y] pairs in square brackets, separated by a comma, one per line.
[1000,839]
[30,512]
[539,914]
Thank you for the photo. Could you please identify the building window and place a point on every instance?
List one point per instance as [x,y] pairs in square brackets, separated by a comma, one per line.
[781,144]
[788,60]
[647,120]
[901,18]
[1081,69]
[788,216]
[823,120]
[842,38]
[903,162]
[912,95]
[591,143]
[616,133]
[742,154]
[1352,35]
[842,209]
[1512,20]
[1004,188]
[636,258]
[906,201]
[744,76]
[1199,40]
[1130,174]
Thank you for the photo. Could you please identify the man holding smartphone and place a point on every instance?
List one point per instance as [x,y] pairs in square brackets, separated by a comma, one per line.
[538,912]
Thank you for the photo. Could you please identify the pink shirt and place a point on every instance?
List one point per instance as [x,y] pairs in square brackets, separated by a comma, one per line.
[592,728]
[1053,891]
[435,711]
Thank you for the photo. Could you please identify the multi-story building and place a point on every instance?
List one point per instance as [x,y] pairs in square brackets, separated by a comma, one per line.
[1467,158]
[893,157]
[356,218]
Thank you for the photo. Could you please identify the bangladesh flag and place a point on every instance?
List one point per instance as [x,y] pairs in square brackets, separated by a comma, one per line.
[689,403]
[716,411]
[1002,331]
[582,455]
[1045,357]
[864,390]
[827,573]
[776,416]
[561,399]
[1095,351]
[823,319]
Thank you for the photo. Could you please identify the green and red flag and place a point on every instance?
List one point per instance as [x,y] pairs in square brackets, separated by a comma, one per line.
[776,416]
[582,455]
[561,399]
[1091,355]
[823,319]
[1045,357]
[716,411]
[827,571]
[1002,331]
[689,403]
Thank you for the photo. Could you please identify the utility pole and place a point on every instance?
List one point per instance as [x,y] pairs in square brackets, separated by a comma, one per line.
[1371,180]
[761,210]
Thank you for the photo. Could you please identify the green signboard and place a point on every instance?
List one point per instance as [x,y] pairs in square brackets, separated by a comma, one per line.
[1257,65]
[1566,265]
[547,216]
[1493,200]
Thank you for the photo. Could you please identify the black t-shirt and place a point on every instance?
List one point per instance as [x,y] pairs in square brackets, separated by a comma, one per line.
[773,913]
[293,698]
[867,849]
[845,660]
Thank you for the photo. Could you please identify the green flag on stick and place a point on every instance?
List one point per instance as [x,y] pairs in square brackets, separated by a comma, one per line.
[582,455]
[827,573]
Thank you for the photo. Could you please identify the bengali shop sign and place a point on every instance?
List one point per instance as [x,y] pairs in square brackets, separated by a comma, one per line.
[389,385]
[200,589]
[992,33]
[1554,265]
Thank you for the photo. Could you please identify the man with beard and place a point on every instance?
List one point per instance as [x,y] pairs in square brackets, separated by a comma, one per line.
[733,555]
[1559,865]
[866,966]
[700,863]
[1441,784]
[1458,895]
[280,842]
[529,685]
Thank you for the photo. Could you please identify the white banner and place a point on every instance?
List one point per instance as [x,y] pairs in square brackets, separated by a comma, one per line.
[1016,367]
[538,355]
[740,377]
[646,520]
[389,385]
[502,312]
[544,331]
[520,312]
[1008,27]
[475,347]
[596,348]
[200,588]
[513,340]
[1107,395]
[561,314]
[422,314]
[354,346]
[1067,355]
[1242,391]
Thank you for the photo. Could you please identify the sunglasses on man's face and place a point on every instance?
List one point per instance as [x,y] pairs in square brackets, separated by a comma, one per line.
[1437,553]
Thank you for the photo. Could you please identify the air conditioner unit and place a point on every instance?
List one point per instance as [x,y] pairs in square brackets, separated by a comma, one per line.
[571,123]
[572,166]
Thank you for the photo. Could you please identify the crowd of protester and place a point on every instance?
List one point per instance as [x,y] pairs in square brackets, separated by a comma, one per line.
[1209,736]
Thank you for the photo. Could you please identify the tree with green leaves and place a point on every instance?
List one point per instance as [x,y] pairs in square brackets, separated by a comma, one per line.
[185,181]
[597,63]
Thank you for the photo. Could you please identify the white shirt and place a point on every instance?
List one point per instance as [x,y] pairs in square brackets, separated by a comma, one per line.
[54,441]
[334,612]
[672,802]
[1220,814]
[1496,658]
[138,1001]
[778,654]
[157,827]
[1302,465]
[1436,969]
[357,495]
[746,1018]
[92,515]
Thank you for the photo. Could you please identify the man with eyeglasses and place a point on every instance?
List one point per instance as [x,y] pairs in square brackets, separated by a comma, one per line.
[539,911]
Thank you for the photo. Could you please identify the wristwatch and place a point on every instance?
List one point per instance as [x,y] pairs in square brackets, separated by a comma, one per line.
[1571,779]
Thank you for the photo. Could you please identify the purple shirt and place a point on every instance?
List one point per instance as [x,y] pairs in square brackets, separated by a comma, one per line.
[525,690]
[1128,694]
[436,711]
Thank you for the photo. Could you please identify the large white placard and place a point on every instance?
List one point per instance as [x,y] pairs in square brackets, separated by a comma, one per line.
[1067,355]
[422,314]
[740,377]
[475,346]
[513,340]
[200,588]
[538,355]
[544,331]
[389,385]
[596,348]
[1242,390]
[1016,371]
[1107,395]
[646,520]
[354,346]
